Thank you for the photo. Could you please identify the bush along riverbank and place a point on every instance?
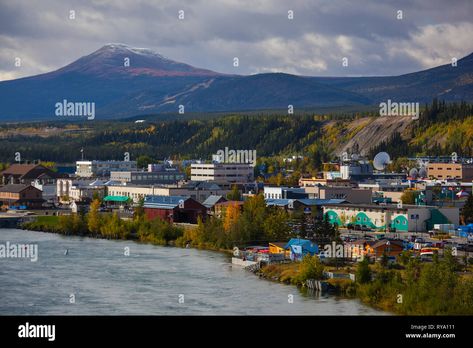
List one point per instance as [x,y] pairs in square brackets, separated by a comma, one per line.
[255,222]
[109,226]
[411,287]
[309,269]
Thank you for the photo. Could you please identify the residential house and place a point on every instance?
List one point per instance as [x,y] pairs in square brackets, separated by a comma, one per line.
[19,195]
[301,247]
[390,248]
[212,200]
[28,173]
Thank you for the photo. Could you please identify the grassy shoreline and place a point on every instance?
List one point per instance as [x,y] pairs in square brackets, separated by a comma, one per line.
[437,288]
[50,224]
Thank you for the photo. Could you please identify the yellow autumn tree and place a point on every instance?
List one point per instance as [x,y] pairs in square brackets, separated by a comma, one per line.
[232,214]
[94,220]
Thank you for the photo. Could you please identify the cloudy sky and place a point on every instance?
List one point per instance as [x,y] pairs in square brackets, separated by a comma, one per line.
[258,32]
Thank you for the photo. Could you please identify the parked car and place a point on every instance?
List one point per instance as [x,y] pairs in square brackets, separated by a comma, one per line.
[427,257]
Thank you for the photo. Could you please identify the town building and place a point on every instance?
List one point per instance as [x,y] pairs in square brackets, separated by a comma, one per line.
[211,201]
[355,170]
[445,171]
[405,218]
[164,176]
[174,209]
[298,248]
[281,192]
[91,169]
[309,206]
[28,173]
[392,190]
[386,247]
[350,194]
[117,201]
[199,191]
[21,196]
[314,181]
[224,174]
[49,191]
[76,190]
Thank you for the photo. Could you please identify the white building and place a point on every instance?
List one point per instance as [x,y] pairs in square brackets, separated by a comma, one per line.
[88,169]
[406,218]
[224,174]
[281,192]
[78,190]
[199,191]
[347,171]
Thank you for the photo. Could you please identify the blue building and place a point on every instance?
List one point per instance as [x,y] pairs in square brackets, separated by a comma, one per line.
[301,247]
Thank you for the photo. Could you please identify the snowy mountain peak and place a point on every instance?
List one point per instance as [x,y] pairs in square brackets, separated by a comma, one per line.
[118,58]
[120,47]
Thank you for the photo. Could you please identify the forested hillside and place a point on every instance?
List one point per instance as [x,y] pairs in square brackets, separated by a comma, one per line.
[442,129]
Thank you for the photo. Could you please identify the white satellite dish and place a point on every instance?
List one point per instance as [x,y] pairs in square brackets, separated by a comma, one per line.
[413,173]
[381,160]
[422,172]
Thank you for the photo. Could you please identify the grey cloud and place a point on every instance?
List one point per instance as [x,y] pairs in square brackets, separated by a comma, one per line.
[258,32]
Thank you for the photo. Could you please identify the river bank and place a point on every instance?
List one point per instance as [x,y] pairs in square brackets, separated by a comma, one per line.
[409,288]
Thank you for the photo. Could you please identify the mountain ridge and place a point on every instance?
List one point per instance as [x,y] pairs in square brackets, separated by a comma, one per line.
[152,83]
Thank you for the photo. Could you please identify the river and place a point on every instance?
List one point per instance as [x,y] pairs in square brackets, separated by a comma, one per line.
[95,277]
